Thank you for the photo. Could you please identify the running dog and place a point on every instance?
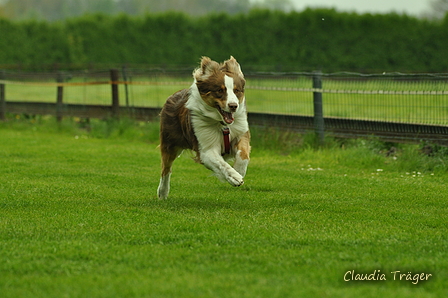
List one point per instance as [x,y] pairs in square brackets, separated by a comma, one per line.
[209,118]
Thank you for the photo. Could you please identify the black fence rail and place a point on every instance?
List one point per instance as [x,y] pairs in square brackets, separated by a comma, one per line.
[394,107]
[350,128]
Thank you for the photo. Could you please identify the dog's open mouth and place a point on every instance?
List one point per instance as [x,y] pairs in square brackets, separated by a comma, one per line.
[227,116]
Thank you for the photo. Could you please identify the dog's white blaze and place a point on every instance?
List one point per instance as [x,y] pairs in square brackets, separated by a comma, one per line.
[231,97]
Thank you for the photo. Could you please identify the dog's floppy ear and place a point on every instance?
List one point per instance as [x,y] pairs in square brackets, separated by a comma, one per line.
[232,66]
[205,63]
[208,66]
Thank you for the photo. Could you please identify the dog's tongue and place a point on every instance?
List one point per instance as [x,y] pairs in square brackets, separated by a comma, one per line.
[228,117]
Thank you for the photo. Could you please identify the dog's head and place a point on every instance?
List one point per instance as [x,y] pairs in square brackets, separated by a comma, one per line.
[221,86]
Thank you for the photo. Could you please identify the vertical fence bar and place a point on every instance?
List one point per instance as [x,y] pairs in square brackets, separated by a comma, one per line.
[319,127]
[114,76]
[2,97]
[59,98]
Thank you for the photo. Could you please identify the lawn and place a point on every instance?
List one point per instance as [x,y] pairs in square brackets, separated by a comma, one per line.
[79,218]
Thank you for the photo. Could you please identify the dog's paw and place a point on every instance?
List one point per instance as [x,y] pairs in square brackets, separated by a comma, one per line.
[162,194]
[164,188]
[234,178]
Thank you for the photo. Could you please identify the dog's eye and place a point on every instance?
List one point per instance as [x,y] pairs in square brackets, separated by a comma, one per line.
[220,92]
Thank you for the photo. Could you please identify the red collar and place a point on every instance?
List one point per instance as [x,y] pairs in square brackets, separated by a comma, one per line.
[226,135]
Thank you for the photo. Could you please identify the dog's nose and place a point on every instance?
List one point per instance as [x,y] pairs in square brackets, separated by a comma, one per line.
[233,106]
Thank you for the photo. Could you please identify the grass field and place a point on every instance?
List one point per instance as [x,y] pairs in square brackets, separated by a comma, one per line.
[152,92]
[79,218]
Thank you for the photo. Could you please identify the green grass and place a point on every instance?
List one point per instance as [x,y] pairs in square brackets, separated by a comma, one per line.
[79,217]
[423,109]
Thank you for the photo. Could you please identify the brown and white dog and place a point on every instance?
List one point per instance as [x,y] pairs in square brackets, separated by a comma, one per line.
[209,118]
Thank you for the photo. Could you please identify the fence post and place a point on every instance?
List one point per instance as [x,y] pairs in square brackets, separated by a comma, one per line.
[59,97]
[126,88]
[114,76]
[319,127]
[2,97]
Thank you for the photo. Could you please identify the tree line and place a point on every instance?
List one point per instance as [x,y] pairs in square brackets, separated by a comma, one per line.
[260,39]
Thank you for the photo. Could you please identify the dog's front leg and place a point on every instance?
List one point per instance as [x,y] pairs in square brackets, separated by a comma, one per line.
[214,161]
[242,154]
[241,163]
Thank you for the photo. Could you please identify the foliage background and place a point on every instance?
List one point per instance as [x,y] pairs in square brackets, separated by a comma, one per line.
[261,39]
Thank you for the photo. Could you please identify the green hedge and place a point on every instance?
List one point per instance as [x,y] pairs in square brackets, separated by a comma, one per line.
[263,40]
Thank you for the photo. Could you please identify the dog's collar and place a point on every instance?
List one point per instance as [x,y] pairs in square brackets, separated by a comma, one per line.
[226,136]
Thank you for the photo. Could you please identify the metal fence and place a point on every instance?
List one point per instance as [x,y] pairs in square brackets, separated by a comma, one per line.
[390,105]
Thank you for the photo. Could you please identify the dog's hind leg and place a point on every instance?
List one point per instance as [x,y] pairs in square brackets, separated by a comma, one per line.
[242,154]
[168,157]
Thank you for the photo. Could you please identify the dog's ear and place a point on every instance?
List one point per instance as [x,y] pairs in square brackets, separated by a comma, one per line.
[232,66]
[208,66]
[205,63]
